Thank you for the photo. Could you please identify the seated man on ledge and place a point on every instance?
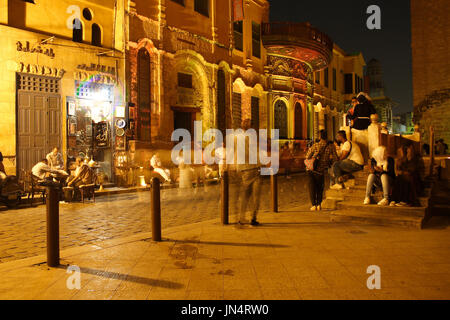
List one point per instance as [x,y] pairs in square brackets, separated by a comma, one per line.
[83,176]
[44,173]
[350,160]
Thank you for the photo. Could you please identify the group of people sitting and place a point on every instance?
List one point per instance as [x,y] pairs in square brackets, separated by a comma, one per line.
[398,178]
[187,173]
[342,156]
[50,172]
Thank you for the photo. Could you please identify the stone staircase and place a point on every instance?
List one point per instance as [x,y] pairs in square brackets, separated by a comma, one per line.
[347,206]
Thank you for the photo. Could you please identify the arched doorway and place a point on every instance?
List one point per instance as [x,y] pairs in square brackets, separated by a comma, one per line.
[280,118]
[96,35]
[298,121]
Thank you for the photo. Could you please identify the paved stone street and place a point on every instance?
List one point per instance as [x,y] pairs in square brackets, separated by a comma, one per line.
[23,231]
[295,254]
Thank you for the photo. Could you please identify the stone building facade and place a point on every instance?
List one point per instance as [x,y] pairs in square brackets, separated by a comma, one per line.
[188,61]
[430,31]
[334,88]
[60,86]
[137,70]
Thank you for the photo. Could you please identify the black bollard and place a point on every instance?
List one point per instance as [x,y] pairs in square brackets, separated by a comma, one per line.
[52,227]
[274,188]
[156,209]
[224,197]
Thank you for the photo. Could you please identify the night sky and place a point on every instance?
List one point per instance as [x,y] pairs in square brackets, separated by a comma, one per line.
[345,22]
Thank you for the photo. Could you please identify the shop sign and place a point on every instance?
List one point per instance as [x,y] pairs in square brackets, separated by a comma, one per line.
[101,134]
[40,70]
[94,77]
[98,68]
[35,49]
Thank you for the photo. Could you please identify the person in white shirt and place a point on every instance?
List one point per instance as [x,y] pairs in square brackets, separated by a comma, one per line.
[351,160]
[220,158]
[41,169]
[55,159]
[155,162]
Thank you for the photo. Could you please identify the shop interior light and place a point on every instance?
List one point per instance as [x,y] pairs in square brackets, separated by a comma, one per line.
[102,95]
[142,181]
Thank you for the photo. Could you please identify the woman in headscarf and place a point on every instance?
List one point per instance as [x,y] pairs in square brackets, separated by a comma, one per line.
[382,170]
[408,184]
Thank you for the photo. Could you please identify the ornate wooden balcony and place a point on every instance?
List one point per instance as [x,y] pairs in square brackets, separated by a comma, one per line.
[300,41]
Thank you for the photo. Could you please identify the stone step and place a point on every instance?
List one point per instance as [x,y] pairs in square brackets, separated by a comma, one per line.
[376,219]
[440,210]
[376,209]
[359,195]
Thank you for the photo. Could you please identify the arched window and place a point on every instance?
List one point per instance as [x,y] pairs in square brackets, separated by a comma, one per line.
[144,109]
[87,14]
[280,111]
[298,121]
[77,32]
[96,35]
[237,110]
[326,124]
[221,100]
[334,128]
[255,113]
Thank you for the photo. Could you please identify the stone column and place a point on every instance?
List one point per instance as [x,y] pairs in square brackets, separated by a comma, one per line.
[374,132]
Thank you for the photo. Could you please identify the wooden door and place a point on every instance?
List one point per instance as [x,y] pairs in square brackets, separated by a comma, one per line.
[38,119]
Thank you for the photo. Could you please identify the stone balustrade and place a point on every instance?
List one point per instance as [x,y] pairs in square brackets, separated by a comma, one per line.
[378,135]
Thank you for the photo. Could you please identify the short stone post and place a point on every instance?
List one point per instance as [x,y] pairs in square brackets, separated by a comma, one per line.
[156,209]
[374,134]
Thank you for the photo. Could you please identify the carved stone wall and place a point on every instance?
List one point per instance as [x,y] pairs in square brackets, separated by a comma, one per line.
[430,31]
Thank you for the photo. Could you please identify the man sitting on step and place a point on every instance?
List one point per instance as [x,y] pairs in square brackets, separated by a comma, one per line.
[351,160]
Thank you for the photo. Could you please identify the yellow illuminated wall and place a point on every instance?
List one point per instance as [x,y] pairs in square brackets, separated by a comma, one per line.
[34,23]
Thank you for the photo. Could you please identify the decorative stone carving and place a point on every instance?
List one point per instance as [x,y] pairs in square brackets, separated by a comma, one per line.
[288,67]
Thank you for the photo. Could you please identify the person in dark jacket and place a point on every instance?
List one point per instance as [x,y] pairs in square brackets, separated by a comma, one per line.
[324,153]
[362,112]
[408,184]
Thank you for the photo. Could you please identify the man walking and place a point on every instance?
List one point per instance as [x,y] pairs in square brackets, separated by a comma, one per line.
[248,185]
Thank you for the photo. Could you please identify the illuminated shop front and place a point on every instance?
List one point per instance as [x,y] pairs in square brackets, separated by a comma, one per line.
[90,117]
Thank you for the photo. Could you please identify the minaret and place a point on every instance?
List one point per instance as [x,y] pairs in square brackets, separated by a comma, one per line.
[377,92]
[376,83]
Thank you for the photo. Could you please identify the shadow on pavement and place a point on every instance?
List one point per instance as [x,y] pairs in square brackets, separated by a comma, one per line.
[233,244]
[127,277]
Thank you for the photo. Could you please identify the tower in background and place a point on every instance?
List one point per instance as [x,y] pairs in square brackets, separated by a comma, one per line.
[377,92]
